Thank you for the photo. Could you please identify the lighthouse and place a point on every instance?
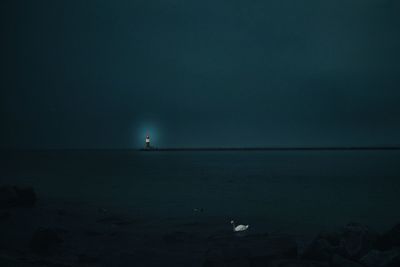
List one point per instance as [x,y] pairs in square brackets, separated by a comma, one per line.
[147,146]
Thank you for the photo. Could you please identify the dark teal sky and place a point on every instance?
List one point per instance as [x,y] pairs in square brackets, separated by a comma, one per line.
[100,74]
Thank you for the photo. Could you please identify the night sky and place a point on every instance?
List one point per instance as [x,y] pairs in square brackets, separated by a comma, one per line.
[100,74]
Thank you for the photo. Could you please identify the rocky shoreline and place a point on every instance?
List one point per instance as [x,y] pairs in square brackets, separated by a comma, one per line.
[34,234]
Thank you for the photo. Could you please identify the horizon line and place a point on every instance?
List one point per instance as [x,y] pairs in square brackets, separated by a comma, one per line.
[261,148]
[270,148]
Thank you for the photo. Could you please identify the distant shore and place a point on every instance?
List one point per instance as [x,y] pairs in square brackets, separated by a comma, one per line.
[327,148]
[267,148]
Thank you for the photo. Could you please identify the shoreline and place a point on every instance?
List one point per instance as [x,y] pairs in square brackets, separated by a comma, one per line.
[324,148]
[268,149]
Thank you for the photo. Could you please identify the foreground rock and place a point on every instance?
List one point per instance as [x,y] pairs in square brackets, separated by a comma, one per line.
[297,263]
[339,261]
[352,242]
[320,249]
[4,215]
[9,262]
[376,258]
[390,239]
[16,196]
[45,241]
[357,240]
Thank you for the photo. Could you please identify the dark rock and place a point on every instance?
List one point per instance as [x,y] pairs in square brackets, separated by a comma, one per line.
[237,261]
[85,259]
[297,263]
[356,240]
[352,242]
[61,212]
[137,257]
[333,237]
[376,258]
[8,196]
[93,233]
[4,215]
[47,263]
[45,240]
[320,249]
[339,261]
[389,239]
[11,262]
[102,210]
[15,196]
[278,247]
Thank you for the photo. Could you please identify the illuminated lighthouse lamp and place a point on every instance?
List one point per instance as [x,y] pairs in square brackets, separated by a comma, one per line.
[147,145]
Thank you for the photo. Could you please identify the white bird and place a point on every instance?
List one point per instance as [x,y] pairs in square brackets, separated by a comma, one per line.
[240,227]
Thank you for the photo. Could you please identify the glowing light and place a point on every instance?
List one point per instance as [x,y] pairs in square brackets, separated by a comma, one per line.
[146,129]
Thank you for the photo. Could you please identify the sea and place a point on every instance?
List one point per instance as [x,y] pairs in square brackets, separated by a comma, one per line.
[273,191]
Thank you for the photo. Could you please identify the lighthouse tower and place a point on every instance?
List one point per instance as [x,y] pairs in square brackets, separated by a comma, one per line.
[147,146]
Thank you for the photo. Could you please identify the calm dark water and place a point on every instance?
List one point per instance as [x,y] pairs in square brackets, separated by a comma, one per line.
[283,191]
